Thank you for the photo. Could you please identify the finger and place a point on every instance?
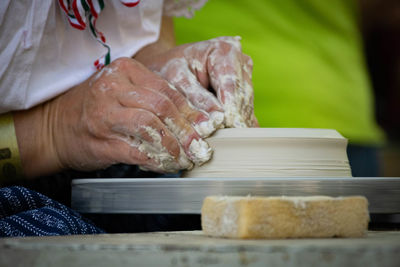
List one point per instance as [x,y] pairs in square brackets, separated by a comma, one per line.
[154,82]
[148,161]
[203,123]
[195,116]
[246,88]
[226,77]
[144,132]
[178,73]
[162,107]
[254,122]
[120,150]
[115,149]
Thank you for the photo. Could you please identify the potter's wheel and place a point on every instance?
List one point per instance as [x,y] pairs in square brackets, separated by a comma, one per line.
[252,161]
[185,196]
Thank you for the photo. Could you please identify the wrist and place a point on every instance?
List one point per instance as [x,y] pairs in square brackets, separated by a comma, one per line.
[165,42]
[34,132]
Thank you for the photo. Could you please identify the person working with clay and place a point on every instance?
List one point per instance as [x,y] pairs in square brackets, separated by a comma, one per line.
[89,84]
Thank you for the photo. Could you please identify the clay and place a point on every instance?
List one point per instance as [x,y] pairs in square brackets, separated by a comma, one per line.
[275,152]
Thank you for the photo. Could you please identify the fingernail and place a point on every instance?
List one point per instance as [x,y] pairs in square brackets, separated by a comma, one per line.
[184,161]
[218,118]
[205,128]
[200,151]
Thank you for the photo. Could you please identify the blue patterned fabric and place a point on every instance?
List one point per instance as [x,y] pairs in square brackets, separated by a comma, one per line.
[24,212]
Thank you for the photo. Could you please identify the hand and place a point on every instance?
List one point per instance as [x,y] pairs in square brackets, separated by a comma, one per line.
[123,114]
[218,64]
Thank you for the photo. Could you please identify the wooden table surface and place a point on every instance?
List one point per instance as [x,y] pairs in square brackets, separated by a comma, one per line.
[192,248]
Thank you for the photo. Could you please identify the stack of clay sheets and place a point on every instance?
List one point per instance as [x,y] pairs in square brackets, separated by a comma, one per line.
[275,152]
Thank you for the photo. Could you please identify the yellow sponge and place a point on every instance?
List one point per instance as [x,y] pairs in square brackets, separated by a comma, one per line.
[284,217]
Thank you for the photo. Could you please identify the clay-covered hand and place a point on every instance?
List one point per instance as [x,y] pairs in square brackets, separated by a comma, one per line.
[125,114]
[215,76]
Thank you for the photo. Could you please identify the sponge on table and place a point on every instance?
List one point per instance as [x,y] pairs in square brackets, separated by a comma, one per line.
[285,217]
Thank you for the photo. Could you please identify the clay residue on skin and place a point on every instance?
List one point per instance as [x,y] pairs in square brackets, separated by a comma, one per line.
[237,99]
[194,92]
[103,88]
[218,119]
[137,97]
[106,71]
[188,83]
[171,86]
[235,106]
[156,151]
[246,68]
[160,154]
[177,131]
[206,128]
[197,65]
[199,151]
[231,104]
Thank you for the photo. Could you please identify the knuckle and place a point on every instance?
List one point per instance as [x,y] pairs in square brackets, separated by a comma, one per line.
[144,117]
[224,45]
[122,63]
[230,43]
[169,89]
[93,125]
[101,85]
[182,102]
[163,105]
[160,84]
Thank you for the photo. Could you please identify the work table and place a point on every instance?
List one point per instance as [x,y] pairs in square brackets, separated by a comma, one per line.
[192,248]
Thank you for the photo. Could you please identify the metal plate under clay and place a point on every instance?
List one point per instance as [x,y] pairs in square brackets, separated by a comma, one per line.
[185,196]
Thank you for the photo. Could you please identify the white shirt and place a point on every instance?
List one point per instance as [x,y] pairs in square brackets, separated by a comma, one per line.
[41,55]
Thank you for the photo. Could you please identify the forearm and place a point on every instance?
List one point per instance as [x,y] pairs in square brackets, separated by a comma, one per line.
[35,142]
[165,42]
